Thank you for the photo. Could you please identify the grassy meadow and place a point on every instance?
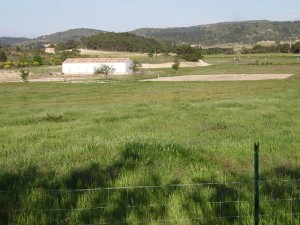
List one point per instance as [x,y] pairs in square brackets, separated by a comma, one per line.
[59,140]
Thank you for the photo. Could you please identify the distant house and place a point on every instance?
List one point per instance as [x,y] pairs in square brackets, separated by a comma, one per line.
[87,66]
[49,48]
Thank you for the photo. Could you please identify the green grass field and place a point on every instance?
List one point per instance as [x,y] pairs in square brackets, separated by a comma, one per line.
[68,136]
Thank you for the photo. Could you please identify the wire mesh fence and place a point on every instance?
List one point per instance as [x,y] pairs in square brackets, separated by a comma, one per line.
[200,203]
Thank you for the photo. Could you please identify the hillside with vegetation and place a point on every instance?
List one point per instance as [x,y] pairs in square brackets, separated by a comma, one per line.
[5,41]
[72,34]
[121,42]
[247,32]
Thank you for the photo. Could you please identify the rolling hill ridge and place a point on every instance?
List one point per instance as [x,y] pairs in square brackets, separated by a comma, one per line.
[245,32]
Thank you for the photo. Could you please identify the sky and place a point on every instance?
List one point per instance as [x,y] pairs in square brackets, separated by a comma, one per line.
[34,18]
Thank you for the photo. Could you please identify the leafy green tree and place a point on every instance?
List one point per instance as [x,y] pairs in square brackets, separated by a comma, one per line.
[56,61]
[37,60]
[189,53]
[18,49]
[213,51]
[176,65]
[135,66]
[167,46]
[3,57]
[68,54]
[70,44]
[283,48]
[105,70]
[296,48]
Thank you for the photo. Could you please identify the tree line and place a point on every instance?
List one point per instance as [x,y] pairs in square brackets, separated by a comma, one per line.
[121,42]
[19,57]
[246,32]
[280,48]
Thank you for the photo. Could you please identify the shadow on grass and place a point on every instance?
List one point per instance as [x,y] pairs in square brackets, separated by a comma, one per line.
[29,199]
[281,198]
[27,196]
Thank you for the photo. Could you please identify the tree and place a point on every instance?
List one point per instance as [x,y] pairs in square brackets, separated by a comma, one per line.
[296,48]
[24,74]
[189,53]
[134,66]
[104,69]
[18,49]
[68,54]
[37,60]
[70,44]
[176,65]
[3,57]
[283,48]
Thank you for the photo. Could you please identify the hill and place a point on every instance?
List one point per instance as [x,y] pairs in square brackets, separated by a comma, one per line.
[72,34]
[5,41]
[247,32]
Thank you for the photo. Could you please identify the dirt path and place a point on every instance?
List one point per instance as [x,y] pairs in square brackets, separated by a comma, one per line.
[12,76]
[9,76]
[15,77]
[224,77]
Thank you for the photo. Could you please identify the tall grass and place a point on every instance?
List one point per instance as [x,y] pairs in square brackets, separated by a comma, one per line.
[64,136]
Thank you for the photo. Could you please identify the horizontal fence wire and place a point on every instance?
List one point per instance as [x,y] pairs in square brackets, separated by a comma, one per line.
[159,186]
[208,202]
[137,206]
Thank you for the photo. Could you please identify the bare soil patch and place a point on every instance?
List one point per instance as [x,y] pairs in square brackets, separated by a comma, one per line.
[9,76]
[224,77]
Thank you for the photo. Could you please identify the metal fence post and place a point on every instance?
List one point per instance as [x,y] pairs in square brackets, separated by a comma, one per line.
[256,183]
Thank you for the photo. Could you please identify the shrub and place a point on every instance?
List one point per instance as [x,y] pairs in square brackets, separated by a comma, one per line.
[3,56]
[104,69]
[38,59]
[176,65]
[189,53]
[7,66]
[56,61]
[24,74]
[35,63]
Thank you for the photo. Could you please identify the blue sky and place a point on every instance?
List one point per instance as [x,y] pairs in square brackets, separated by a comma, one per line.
[33,18]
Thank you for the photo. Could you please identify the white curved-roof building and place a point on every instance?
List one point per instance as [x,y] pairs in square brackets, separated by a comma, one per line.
[86,66]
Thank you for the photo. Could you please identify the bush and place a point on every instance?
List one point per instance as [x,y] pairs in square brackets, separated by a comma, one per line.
[134,66]
[7,67]
[35,63]
[176,65]
[56,61]
[24,74]
[296,48]
[189,53]
[104,69]
[3,57]
[38,59]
